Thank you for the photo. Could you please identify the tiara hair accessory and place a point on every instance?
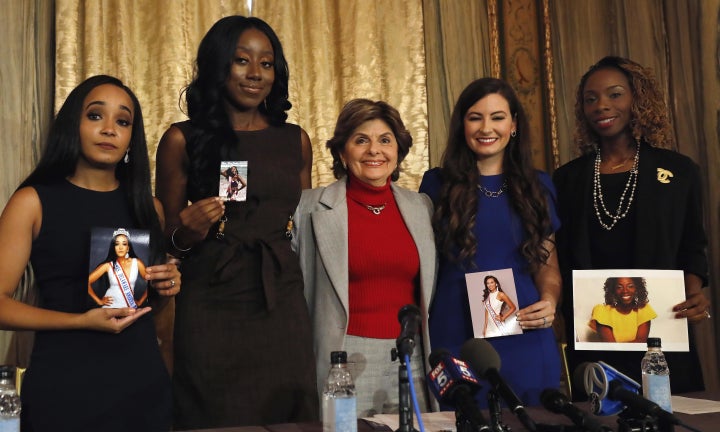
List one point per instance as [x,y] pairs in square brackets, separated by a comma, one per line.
[121,231]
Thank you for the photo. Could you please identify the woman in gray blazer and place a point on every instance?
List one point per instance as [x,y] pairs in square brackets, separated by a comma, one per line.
[366,249]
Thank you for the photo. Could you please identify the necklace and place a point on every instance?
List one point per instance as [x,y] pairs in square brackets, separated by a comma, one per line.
[493,194]
[621,164]
[376,210]
[599,201]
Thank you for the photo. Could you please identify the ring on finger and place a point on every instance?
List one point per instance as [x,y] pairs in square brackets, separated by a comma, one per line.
[707,314]
[544,321]
[172,283]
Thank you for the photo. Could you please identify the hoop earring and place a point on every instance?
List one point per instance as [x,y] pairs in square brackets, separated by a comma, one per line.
[126,159]
[513,133]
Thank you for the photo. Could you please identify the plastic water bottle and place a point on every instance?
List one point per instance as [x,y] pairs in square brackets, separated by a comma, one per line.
[338,404]
[656,375]
[9,401]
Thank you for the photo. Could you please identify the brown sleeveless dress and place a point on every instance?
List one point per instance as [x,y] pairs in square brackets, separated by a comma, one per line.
[243,342]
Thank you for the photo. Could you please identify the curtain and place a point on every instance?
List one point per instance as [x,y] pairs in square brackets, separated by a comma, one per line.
[457,46]
[665,36]
[26,69]
[338,50]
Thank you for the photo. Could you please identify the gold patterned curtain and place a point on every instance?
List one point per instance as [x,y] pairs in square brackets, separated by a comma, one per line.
[26,71]
[337,50]
[457,46]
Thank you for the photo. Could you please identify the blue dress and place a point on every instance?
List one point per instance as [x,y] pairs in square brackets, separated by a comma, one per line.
[530,361]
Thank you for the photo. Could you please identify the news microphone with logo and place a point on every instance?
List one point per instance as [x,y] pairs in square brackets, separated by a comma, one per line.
[634,401]
[454,383]
[409,317]
[483,358]
[556,402]
[595,379]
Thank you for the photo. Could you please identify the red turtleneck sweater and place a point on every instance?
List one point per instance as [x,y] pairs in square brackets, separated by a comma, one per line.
[383,261]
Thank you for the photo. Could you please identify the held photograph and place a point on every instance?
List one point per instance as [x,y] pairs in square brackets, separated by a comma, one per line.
[233,180]
[493,303]
[620,309]
[117,267]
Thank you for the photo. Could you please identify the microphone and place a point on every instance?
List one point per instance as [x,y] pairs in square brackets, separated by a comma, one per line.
[634,401]
[486,362]
[556,402]
[452,382]
[595,379]
[409,317]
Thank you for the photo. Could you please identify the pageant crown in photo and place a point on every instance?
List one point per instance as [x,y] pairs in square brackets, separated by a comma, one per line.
[121,231]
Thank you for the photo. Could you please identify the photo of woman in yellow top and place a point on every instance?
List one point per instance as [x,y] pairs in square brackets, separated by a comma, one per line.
[626,314]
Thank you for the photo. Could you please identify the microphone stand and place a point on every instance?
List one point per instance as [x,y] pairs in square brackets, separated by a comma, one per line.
[405,404]
[496,424]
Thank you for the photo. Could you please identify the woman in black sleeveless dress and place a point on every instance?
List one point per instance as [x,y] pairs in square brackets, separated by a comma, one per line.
[242,341]
[91,369]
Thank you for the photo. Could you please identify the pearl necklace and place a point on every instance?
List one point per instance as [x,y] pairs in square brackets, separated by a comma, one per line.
[493,194]
[599,201]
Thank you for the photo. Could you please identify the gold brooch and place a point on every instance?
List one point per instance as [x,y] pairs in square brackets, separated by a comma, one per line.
[664,175]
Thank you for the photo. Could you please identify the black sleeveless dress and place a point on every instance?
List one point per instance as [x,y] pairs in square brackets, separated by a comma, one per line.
[243,344]
[84,380]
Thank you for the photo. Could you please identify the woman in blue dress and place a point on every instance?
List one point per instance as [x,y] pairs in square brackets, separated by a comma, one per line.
[494,211]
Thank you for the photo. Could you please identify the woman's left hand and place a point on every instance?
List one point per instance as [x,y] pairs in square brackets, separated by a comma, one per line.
[695,308]
[165,278]
[537,315]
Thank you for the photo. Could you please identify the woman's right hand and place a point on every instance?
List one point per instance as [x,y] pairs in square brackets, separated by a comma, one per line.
[197,219]
[112,320]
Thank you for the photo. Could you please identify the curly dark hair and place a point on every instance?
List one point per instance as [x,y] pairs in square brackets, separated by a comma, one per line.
[355,113]
[641,293]
[649,120]
[486,291]
[456,208]
[205,96]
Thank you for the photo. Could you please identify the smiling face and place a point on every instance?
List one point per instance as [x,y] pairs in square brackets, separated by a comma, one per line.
[121,245]
[488,125]
[252,72]
[491,284]
[371,153]
[105,126]
[607,103]
[625,290]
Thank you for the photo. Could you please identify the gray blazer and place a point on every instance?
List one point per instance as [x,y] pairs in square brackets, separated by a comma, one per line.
[320,238]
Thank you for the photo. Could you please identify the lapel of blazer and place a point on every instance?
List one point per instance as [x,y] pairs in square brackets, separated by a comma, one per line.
[582,197]
[331,236]
[647,208]
[413,211]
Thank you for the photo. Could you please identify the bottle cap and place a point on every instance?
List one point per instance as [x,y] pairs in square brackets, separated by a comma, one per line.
[654,342]
[7,372]
[338,357]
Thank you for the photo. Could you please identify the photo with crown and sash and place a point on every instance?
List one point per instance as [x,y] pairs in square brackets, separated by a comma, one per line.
[118,257]
[493,303]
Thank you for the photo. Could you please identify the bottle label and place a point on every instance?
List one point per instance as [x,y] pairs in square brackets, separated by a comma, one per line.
[339,415]
[9,424]
[657,389]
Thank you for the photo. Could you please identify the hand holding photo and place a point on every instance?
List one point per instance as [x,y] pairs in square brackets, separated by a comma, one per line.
[233,180]
[117,258]
[493,305]
[619,309]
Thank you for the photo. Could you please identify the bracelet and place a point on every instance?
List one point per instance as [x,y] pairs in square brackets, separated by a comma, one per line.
[172,240]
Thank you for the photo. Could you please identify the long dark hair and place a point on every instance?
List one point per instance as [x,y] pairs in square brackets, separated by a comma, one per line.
[649,121]
[454,217]
[486,291]
[62,152]
[205,95]
[111,256]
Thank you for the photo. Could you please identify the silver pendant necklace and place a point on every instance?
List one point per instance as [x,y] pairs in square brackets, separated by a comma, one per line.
[376,210]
